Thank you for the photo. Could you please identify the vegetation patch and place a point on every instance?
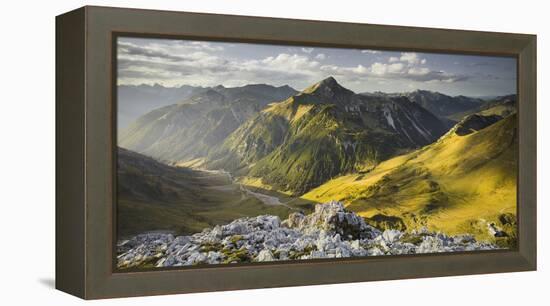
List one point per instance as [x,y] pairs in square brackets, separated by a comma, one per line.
[236,256]
[383,222]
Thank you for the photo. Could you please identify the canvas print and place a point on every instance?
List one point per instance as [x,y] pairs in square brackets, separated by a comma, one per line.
[232,153]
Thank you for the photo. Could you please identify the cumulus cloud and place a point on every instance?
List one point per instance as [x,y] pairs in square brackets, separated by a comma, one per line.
[201,63]
[396,68]
[410,57]
[408,66]
[379,68]
[320,56]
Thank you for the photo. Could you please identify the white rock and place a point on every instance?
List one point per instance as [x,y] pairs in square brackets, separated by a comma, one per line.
[391,235]
[265,255]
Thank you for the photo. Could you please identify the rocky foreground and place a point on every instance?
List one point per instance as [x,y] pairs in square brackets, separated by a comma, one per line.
[329,232]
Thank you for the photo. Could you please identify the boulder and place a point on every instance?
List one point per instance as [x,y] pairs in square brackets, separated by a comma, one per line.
[332,217]
[265,255]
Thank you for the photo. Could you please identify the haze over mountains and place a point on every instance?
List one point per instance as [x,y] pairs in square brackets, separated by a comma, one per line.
[190,128]
[136,100]
[395,155]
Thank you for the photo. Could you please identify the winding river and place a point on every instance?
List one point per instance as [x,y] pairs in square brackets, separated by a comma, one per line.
[264,198]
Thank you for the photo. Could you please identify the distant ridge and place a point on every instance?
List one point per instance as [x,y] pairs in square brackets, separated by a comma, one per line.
[134,101]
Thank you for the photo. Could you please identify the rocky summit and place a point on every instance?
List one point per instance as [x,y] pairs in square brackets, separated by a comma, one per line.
[330,231]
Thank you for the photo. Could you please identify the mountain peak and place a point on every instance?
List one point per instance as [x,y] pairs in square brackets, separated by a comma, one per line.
[210,95]
[329,81]
[327,87]
[424,91]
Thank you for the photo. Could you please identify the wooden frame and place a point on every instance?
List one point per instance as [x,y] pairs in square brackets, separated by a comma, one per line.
[85,151]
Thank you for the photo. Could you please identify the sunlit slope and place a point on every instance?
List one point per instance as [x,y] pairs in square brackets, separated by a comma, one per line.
[457,184]
[323,132]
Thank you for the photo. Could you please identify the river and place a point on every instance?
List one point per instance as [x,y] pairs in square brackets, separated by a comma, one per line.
[264,198]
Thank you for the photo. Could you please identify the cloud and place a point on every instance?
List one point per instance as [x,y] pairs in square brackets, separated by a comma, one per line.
[126,48]
[206,46]
[360,69]
[199,63]
[418,71]
[396,68]
[370,51]
[409,57]
[285,62]
[173,63]
[408,66]
[379,68]
[404,71]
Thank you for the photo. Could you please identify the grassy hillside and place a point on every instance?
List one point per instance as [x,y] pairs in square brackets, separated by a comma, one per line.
[456,185]
[153,196]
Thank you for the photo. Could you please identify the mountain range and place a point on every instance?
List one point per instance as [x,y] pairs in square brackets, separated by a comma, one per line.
[295,144]
[409,159]
[321,132]
[136,100]
[188,129]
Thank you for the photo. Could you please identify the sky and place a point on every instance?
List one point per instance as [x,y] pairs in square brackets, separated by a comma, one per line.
[174,63]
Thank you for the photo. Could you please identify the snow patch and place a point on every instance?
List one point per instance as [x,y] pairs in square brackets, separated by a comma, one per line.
[389,118]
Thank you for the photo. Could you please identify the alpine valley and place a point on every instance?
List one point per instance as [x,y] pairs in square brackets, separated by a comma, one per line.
[401,167]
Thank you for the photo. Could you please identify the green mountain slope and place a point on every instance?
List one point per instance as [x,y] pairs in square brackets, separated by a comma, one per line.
[153,196]
[459,184]
[322,132]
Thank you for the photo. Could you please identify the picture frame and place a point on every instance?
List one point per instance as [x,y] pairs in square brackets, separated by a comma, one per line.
[86,143]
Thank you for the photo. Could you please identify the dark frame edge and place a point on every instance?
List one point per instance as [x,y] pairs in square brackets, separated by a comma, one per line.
[70,216]
[97,278]
[527,189]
